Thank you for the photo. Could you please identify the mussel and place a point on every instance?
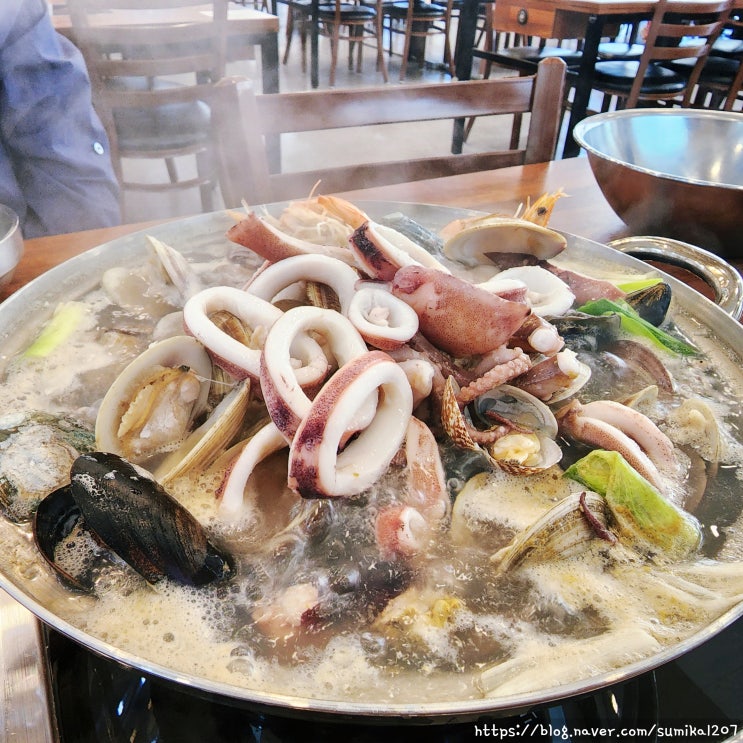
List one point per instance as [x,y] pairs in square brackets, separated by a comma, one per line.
[651,303]
[134,517]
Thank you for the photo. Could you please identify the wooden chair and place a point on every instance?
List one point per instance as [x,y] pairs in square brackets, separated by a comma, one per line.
[151,64]
[351,22]
[298,13]
[540,95]
[339,21]
[721,80]
[688,32]
[415,19]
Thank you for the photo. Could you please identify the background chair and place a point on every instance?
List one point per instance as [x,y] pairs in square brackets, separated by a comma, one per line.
[684,34]
[721,79]
[340,21]
[351,22]
[151,64]
[416,20]
[523,54]
[298,13]
[262,116]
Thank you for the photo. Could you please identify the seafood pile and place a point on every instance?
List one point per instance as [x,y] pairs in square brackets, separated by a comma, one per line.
[365,450]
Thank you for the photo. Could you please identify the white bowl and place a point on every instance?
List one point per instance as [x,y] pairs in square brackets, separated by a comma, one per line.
[11,244]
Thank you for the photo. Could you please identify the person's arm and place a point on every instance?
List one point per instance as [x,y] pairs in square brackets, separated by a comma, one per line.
[53,140]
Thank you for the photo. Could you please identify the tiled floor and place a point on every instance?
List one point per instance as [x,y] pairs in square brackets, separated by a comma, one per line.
[300,153]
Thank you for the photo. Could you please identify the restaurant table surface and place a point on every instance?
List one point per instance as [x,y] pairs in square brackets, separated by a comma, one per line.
[581,19]
[582,211]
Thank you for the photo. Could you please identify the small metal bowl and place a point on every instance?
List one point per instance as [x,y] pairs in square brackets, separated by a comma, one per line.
[671,172]
[11,244]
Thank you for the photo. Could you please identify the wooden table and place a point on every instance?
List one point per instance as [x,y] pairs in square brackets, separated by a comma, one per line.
[555,19]
[583,211]
[246,28]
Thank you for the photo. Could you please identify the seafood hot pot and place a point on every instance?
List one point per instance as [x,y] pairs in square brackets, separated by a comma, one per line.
[93,684]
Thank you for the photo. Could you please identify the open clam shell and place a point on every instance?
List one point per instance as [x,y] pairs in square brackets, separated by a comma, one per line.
[211,438]
[564,530]
[153,404]
[481,238]
[525,445]
[530,447]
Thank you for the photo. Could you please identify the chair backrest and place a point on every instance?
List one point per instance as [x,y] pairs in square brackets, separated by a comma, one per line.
[683,30]
[145,37]
[129,44]
[736,24]
[267,116]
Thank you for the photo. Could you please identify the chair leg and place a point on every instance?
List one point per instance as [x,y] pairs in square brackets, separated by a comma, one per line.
[172,169]
[360,50]
[381,64]
[486,68]
[205,169]
[288,34]
[405,54]
[448,57]
[334,40]
[516,131]
[303,42]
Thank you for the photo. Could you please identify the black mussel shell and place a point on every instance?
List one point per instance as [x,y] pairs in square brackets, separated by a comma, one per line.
[136,518]
[55,518]
[584,332]
[651,303]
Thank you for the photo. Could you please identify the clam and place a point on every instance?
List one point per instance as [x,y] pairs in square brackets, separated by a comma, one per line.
[154,403]
[644,361]
[513,429]
[211,438]
[484,239]
[178,271]
[36,450]
[530,446]
[563,531]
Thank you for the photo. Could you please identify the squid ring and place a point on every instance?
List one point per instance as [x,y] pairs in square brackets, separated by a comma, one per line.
[384,321]
[339,276]
[285,399]
[264,442]
[317,469]
[227,352]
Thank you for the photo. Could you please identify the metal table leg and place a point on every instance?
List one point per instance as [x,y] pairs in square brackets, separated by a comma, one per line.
[584,81]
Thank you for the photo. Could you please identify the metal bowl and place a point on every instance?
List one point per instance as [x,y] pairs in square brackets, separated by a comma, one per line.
[671,172]
[11,244]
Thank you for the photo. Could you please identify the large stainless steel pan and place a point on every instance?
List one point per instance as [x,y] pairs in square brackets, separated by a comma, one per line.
[38,591]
